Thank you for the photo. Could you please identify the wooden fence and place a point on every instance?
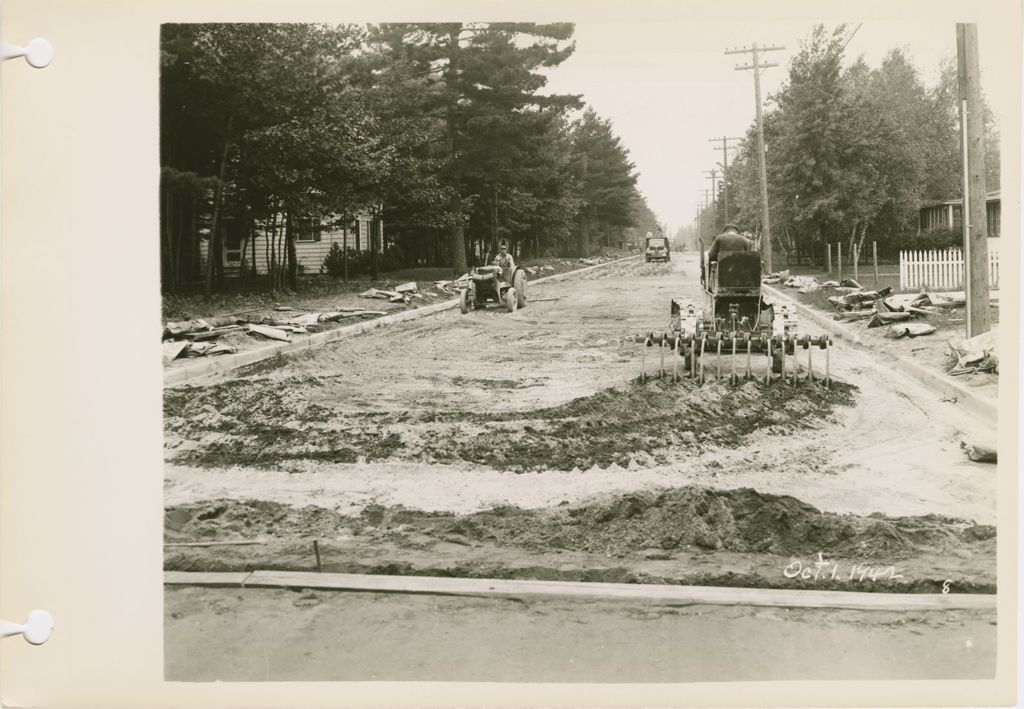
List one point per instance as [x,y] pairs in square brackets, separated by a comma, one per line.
[942,269]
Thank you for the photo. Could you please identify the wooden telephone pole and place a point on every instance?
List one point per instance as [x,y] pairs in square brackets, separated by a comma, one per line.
[703,207]
[725,171]
[756,66]
[712,175]
[700,225]
[975,214]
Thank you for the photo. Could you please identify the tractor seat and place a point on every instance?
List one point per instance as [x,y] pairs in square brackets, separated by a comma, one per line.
[739,269]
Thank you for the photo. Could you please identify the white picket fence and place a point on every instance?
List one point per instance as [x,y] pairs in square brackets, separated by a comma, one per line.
[942,269]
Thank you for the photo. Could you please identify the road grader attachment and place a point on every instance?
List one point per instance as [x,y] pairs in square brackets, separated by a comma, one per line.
[736,321]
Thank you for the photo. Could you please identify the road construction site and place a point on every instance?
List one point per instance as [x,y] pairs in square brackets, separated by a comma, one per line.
[528,446]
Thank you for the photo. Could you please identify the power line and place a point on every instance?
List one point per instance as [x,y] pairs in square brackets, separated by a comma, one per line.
[859,25]
[757,66]
[725,170]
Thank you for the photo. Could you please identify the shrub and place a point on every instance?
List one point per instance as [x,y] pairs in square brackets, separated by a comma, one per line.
[359,261]
[934,239]
[392,259]
[334,262]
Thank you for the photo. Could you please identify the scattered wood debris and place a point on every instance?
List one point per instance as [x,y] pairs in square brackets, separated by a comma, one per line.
[272,333]
[183,348]
[881,319]
[980,452]
[977,354]
[914,329]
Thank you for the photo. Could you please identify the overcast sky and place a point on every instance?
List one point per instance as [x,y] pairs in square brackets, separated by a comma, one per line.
[668,87]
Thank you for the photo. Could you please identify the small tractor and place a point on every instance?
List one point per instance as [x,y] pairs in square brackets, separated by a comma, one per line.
[493,284]
[735,319]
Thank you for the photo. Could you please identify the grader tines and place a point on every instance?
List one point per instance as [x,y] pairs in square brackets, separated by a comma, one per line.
[738,325]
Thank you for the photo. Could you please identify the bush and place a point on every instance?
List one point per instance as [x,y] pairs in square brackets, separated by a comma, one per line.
[935,239]
[392,259]
[334,262]
[359,261]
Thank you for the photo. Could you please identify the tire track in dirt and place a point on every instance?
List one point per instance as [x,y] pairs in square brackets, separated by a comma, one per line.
[451,405]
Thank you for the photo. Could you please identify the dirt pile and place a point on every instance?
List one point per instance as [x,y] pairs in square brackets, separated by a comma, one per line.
[252,519]
[691,518]
[732,520]
[246,422]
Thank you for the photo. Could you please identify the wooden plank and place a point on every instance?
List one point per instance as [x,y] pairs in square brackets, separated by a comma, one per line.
[210,578]
[229,542]
[710,595]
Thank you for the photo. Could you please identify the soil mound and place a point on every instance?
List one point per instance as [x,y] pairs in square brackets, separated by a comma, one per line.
[248,422]
[741,520]
[733,520]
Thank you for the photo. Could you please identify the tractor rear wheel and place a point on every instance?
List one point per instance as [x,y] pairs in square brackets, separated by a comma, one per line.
[519,285]
[465,305]
[510,300]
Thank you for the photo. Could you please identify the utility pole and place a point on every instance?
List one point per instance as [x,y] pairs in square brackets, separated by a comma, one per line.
[975,214]
[712,175]
[700,225]
[756,66]
[710,223]
[725,171]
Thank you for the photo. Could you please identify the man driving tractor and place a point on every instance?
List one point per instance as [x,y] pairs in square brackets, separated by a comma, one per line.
[504,258]
[729,240]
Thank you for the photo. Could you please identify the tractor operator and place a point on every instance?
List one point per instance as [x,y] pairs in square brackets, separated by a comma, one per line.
[729,240]
[504,258]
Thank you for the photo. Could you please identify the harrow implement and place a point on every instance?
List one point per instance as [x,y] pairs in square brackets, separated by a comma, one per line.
[735,321]
[775,350]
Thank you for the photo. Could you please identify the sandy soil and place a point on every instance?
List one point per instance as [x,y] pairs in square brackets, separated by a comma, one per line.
[460,414]
[260,309]
[280,635]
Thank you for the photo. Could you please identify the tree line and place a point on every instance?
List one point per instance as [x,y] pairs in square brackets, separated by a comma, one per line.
[441,132]
[852,153]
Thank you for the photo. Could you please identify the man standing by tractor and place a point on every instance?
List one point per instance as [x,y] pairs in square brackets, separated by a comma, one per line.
[729,240]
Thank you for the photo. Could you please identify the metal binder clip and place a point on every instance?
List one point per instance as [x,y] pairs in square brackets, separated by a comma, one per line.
[38,52]
[36,630]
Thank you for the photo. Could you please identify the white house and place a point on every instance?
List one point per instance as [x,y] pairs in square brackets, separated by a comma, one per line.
[312,243]
[948,214]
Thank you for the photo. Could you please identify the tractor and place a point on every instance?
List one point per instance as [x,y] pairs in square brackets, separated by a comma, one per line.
[494,284]
[735,319]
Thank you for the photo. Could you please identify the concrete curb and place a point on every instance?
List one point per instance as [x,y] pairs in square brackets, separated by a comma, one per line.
[224,363]
[705,595]
[976,404]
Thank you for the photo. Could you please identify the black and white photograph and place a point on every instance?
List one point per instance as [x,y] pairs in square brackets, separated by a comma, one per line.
[582,351]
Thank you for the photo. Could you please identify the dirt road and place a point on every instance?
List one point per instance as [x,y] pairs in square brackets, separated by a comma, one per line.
[273,635]
[520,445]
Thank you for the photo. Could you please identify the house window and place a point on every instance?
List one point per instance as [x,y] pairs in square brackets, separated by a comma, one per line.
[309,229]
[993,219]
[364,233]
